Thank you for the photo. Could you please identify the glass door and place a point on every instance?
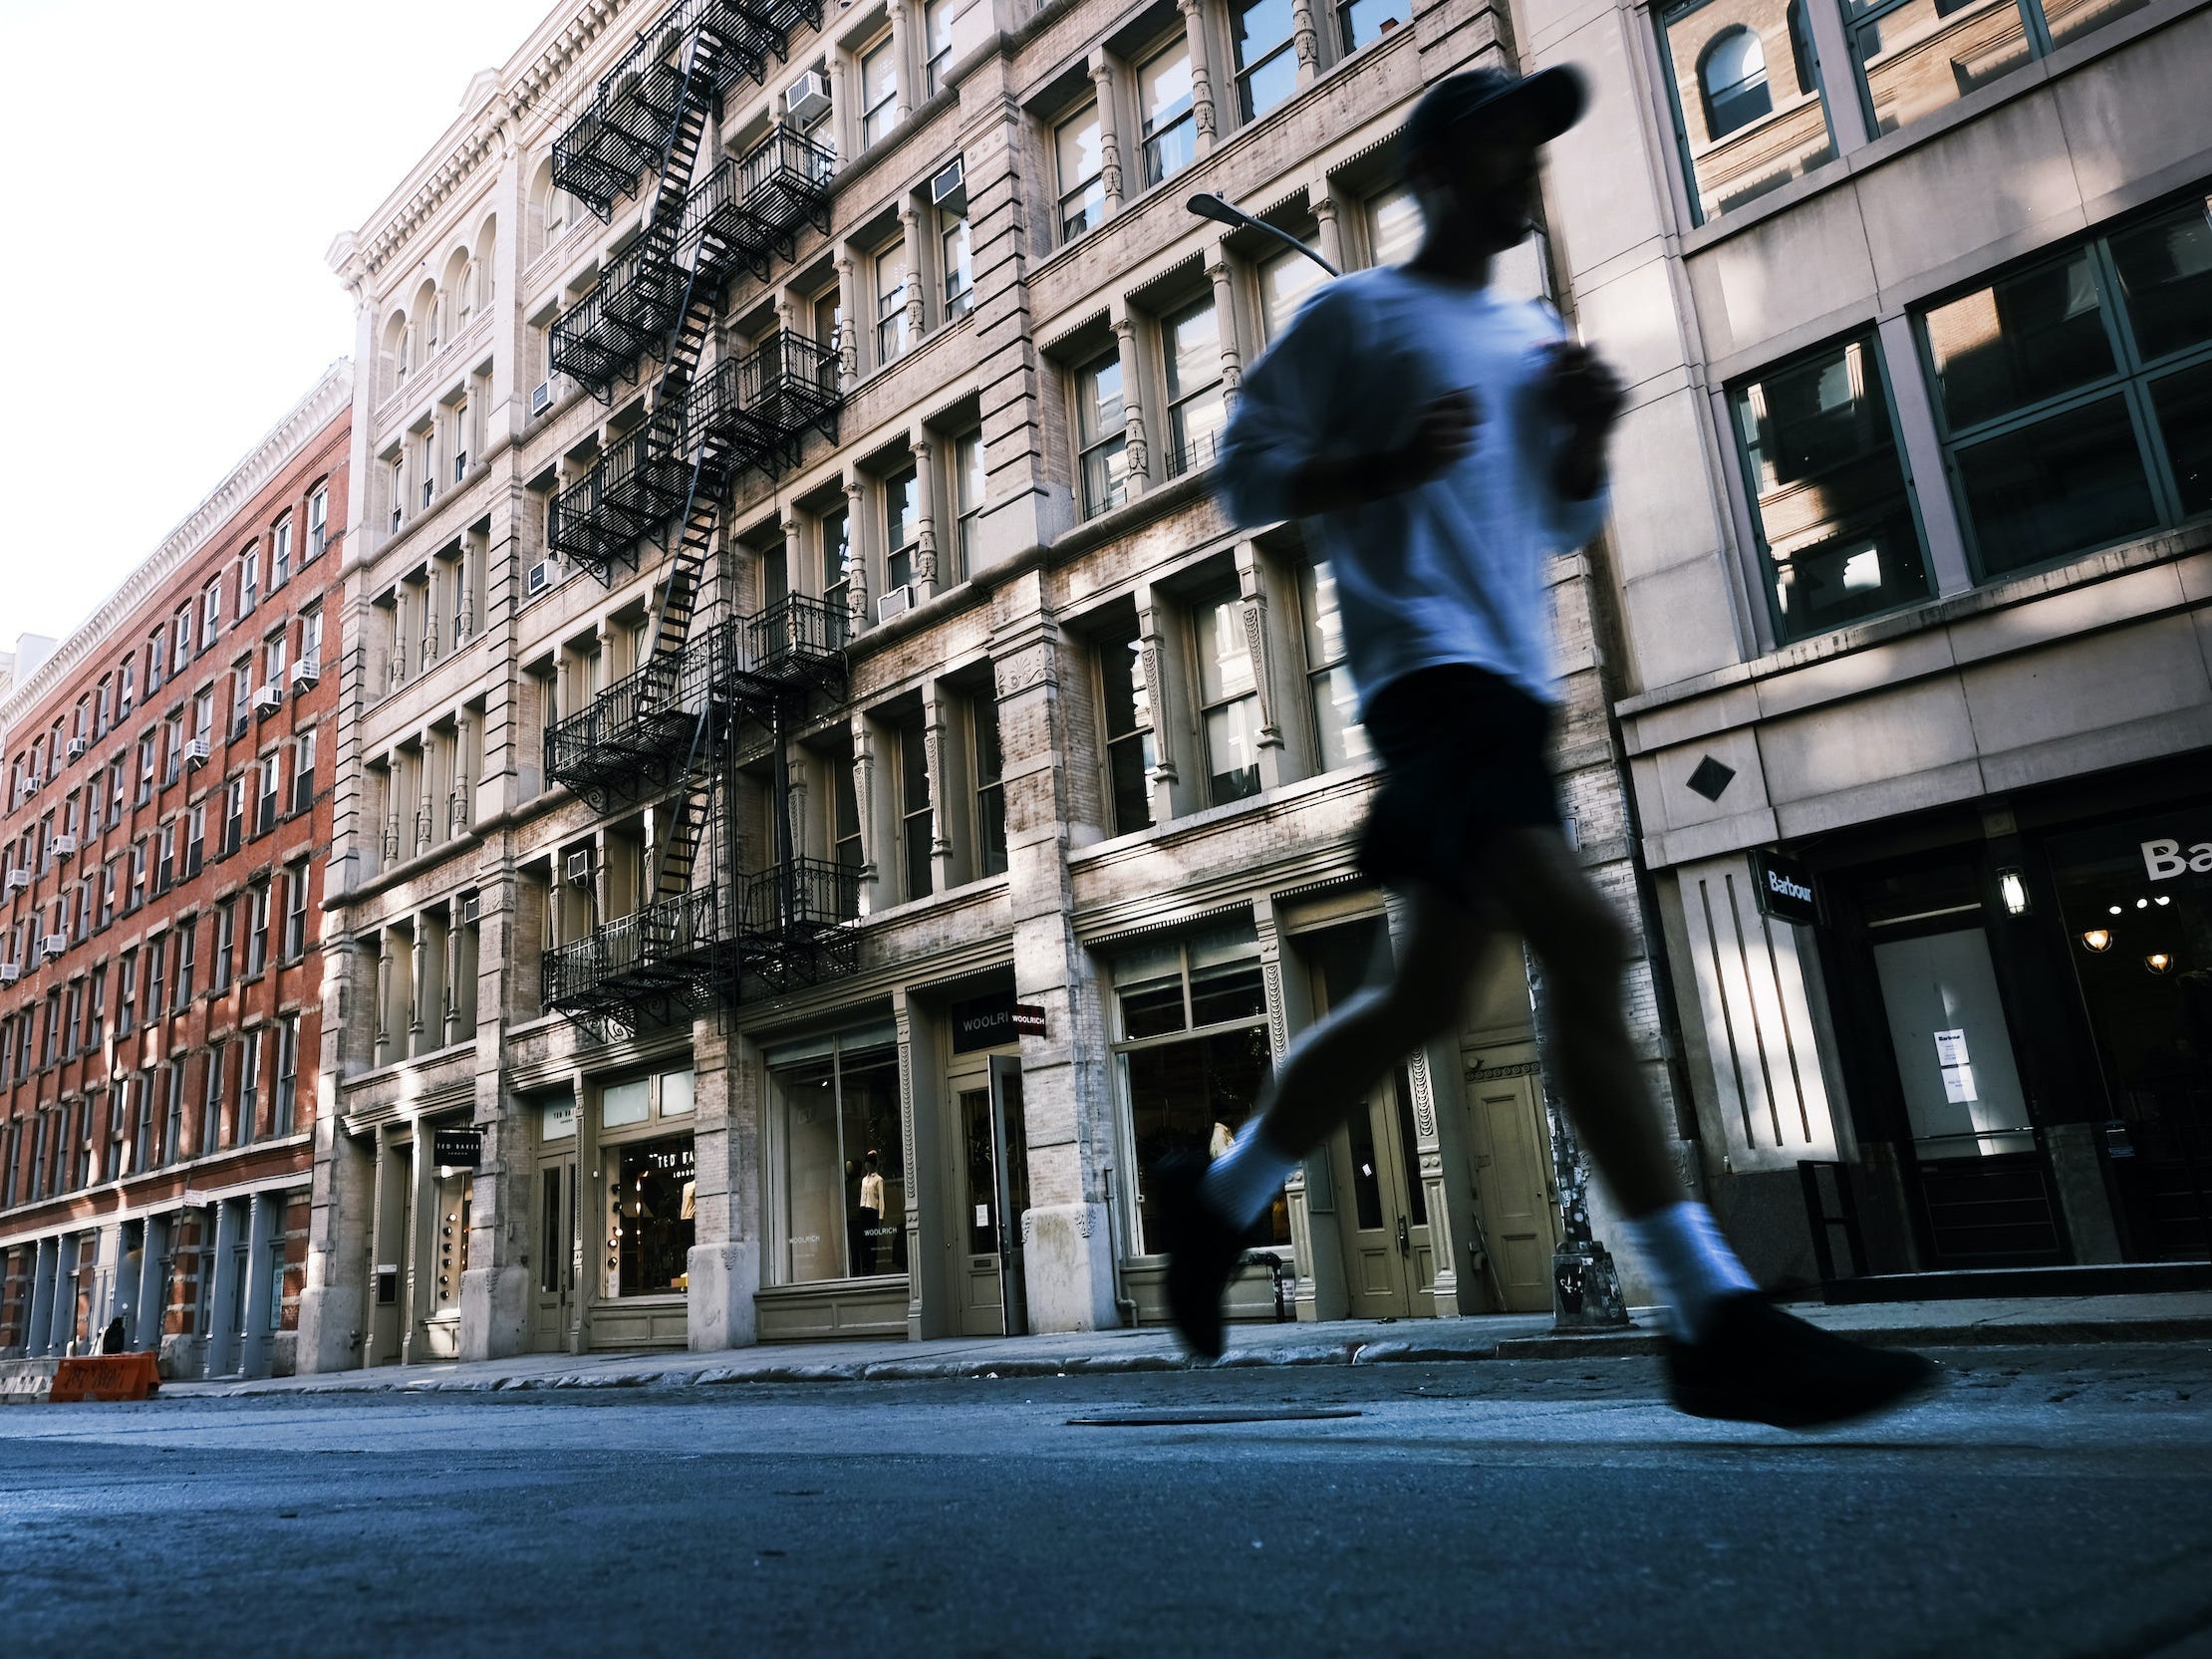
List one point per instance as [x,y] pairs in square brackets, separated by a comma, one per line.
[553,1313]
[994,1187]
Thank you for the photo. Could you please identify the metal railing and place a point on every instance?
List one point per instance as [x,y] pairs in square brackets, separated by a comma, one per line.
[602,337]
[639,725]
[651,952]
[631,491]
[753,204]
[802,899]
[795,637]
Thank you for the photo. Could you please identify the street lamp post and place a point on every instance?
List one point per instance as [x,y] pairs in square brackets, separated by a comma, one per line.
[1216,208]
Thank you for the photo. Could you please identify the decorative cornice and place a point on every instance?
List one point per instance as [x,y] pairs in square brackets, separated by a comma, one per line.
[332,396]
[493,107]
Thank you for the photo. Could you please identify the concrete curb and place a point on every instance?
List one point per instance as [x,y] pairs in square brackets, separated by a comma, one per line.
[1638,1341]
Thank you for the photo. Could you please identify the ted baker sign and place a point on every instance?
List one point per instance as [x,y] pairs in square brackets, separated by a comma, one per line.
[2165,860]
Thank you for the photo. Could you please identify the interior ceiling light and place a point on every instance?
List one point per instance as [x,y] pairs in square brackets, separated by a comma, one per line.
[2099,939]
[2158,961]
[2115,909]
[2143,904]
[2165,897]
[2012,887]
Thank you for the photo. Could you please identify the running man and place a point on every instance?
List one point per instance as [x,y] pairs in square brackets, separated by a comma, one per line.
[1442,441]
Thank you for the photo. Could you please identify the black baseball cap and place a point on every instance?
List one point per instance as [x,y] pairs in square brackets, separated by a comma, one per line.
[1552,100]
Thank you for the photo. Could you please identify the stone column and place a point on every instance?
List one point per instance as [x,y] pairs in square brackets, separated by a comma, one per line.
[925,500]
[910,225]
[154,1282]
[864,798]
[334,1313]
[1137,458]
[724,1262]
[421,1274]
[1224,326]
[1109,132]
[216,1283]
[264,1213]
[1252,614]
[856,560]
[848,340]
[1330,234]
[1305,39]
[418,969]
[449,1031]
[1201,75]
[45,1281]
[1155,661]
[943,874]
[902,60]
[844,125]
[380,1044]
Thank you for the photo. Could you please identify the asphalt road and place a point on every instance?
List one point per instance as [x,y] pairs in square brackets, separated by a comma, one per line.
[2044,1502]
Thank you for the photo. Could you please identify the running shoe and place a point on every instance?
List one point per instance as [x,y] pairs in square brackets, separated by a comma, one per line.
[1757,1364]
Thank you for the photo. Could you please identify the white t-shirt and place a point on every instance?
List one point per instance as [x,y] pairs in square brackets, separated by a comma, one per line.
[1454,570]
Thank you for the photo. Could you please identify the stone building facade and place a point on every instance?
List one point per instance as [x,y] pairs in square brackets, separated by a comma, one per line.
[1077,751]
[1912,559]
[167,809]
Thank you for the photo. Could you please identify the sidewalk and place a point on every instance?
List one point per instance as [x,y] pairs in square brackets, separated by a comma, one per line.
[2027,1320]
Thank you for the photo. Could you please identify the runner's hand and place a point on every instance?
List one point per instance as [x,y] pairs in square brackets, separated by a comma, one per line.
[1443,435]
[1583,391]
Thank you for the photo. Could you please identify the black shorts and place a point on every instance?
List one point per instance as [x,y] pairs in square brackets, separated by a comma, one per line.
[1464,756]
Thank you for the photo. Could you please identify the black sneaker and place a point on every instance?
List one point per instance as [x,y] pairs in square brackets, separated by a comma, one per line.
[1203,1252]
[1757,1364]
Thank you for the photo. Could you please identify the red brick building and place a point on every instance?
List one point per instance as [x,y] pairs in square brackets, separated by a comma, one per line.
[166,785]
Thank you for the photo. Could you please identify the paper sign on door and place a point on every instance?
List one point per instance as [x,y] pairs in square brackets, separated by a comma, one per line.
[1950,1048]
[1958,1085]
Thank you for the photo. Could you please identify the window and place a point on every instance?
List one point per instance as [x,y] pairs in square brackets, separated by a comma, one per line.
[303,772]
[280,553]
[210,1101]
[836,1107]
[226,923]
[156,659]
[108,893]
[1266,66]
[317,524]
[990,787]
[1195,413]
[187,949]
[249,1089]
[968,482]
[845,839]
[203,713]
[172,750]
[128,696]
[936,24]
[2075,396]
[265,805]
[287,1073]
[172,1139]
[1099,433]
[902,527]
[157,958]
[917,823]
[311,637]
[96,1004]
[960,267]
[398,484]
[211,614]
[1229,698]
[136,895]
[891,302]
[257,928]
[1190,1046]
[1743,130]
[295,911]
[1914,56]
[837,576]
[1170,116]
[126,992]
[196,839]
[146,747]
[1284,282]
[1833,519]
[164,857]
[249,580]
[1125,707]
[235,814]
[1076,148]
[1363,22]
[1393,226]
[878,92]
[272,660]
[1338,737]
[180,651]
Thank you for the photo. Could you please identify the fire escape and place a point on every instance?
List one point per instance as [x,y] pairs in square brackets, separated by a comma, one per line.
[668,733]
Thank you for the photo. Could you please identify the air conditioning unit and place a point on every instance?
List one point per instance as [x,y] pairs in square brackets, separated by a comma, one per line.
[10,972]
[898,600]
[948,189]
[63,846]
[197,753]
[268,700]
[54,944]
[471,907]
[305,675]
[541,398]
[807,98]
[30,786]
[579,869]
[540,577]
[18,880]
[76,748]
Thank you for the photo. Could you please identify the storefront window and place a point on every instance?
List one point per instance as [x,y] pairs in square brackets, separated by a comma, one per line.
[653,1199]
[1193,1052]
[843,1165]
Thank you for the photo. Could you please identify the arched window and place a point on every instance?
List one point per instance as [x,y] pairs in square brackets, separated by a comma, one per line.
[1732,76]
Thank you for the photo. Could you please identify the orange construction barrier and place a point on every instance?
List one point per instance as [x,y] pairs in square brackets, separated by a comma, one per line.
[106,1377]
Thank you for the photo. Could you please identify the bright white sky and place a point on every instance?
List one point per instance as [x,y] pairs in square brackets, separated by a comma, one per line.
[175,171]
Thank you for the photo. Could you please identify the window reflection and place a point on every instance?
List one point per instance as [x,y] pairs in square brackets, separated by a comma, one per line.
[1747,96]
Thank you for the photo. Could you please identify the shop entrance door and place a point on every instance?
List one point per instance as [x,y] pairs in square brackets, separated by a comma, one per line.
[1389,1265]
[993,1186]
[1517,1202]
[553,1309]
[1985,1183]
[390,1254]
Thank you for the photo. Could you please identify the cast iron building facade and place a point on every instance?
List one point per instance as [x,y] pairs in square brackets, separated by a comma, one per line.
[1911,549]
[167,806]
[788,626]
